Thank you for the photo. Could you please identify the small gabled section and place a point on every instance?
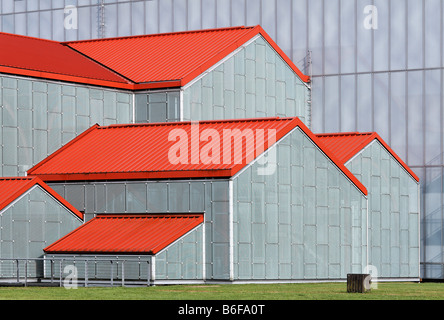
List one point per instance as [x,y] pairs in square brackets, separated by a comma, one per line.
[347,144]
[126,234]
[14,187]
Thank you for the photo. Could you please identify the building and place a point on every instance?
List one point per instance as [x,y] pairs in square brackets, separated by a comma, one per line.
[236,72]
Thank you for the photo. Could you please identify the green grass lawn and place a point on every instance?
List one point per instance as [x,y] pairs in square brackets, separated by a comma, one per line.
[318,291]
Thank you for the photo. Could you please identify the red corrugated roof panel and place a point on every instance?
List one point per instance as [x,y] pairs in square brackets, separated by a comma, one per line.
[13,187]
[126,234]
[171,59]
[150,151]
[143,150]
[347,144]
[50,59]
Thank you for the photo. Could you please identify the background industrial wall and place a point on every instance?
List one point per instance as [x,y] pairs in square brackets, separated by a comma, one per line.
[385,76]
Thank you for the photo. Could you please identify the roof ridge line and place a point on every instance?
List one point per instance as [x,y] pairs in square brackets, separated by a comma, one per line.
[99,63]
[183,123]
[84,133]
[29,37]
[160,34]
[345,133]
[73,75]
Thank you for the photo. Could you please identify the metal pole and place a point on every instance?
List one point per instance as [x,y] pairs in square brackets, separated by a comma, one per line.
[86,273]
[18,271]
[61,262]
[112,272]
[52,270]
[148,275]
[123,273]
[26,273]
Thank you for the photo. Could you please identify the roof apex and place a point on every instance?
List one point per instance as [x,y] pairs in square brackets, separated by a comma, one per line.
[347,144]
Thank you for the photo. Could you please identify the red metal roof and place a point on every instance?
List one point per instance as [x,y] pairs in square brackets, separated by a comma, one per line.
[346,145]
[14,187]
[142,151]
[135,62]
[126,234]
[41,58]
[171,59]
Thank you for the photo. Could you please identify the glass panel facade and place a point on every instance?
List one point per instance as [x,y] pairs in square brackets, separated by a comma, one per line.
[38,117]
[32,223]
[393,212]
[210,197]
[255,82]
[183,259]
[157,107]
[312,222]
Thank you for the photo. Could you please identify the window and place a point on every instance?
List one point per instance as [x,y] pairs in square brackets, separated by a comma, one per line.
[157,107]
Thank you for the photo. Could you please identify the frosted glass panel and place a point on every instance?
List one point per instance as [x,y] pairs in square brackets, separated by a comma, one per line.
[314,223]
[253,83]
[45,115]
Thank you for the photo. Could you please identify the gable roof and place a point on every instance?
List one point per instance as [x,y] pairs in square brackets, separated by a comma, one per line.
[136,62]
[150,151]
[28,56]
[171,59]
[142,151]
[347,144]
[13,187]
[126,234]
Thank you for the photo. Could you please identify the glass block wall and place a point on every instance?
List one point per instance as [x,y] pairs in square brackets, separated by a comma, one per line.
[304,221]
[183,259]
[255,82]
[157,106]
[393,212]
[31,223]
[38,117]
[210,197]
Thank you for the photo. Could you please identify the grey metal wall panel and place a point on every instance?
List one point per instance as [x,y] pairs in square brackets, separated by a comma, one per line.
[305,229]
[255,82]
[31,223]
[393,212]
[38,117]
[210,197]
[183,259]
